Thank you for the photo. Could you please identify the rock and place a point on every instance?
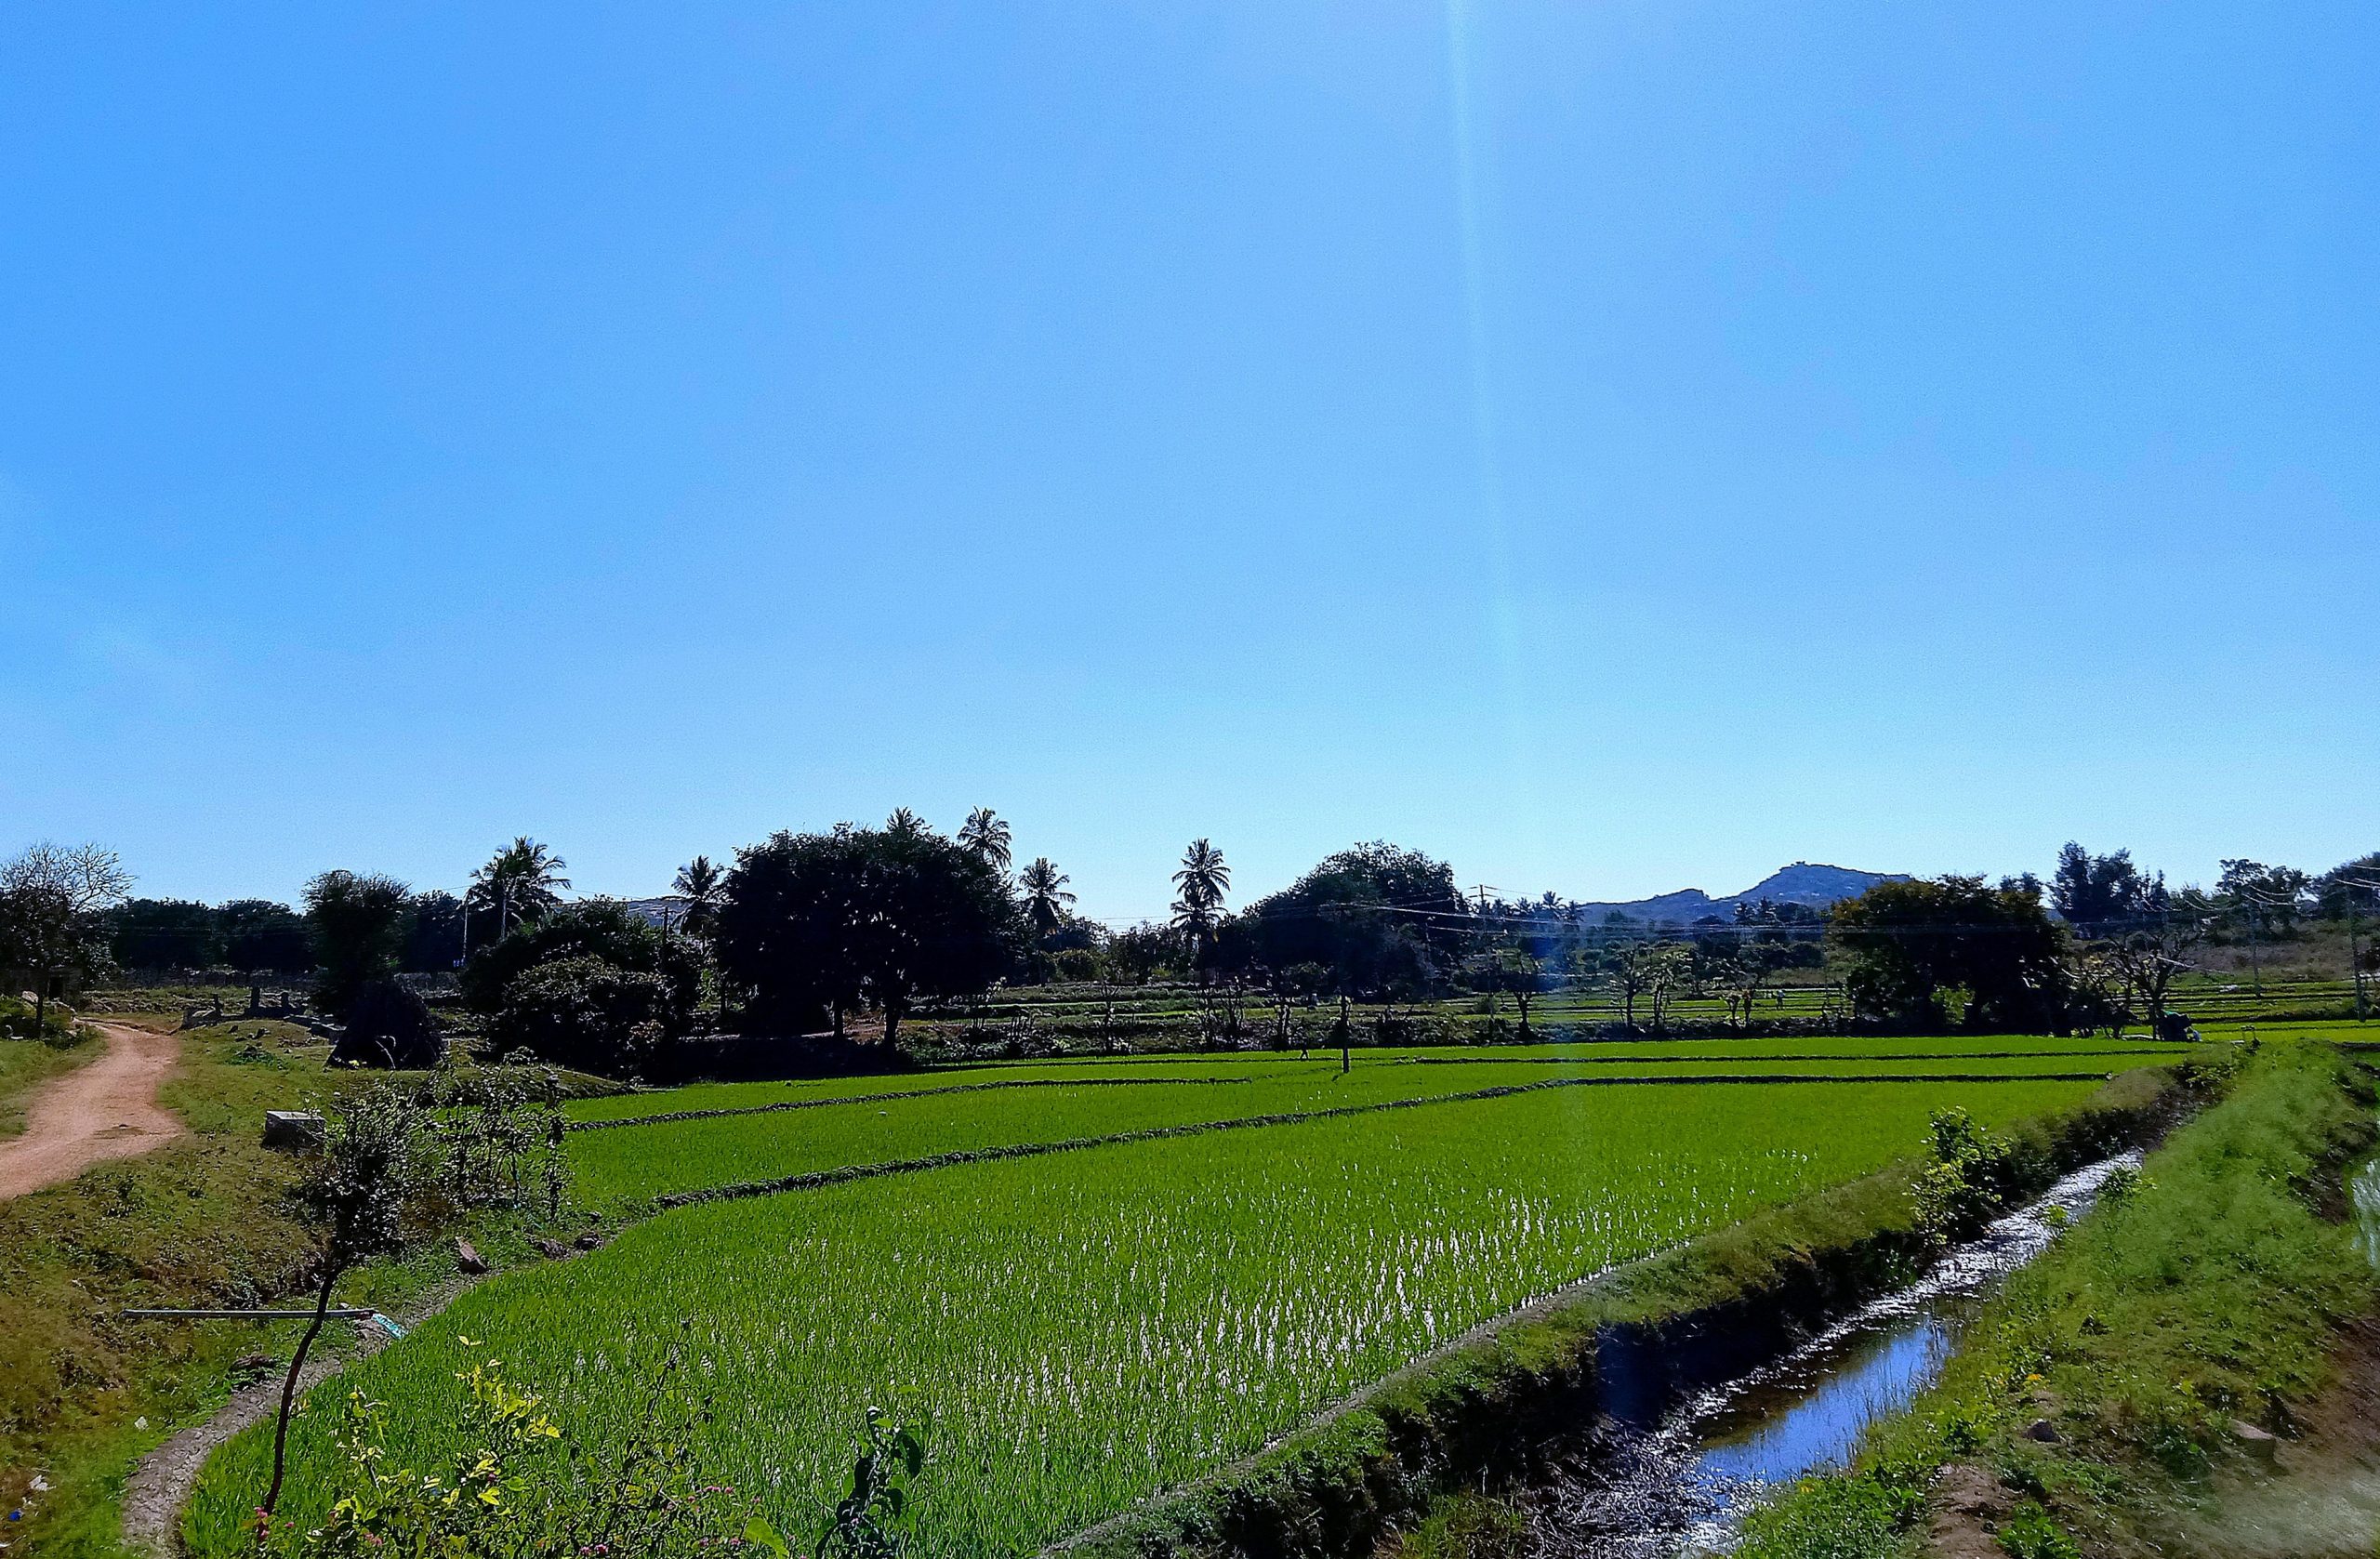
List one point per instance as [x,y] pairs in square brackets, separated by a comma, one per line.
[254,1363]
[468,1260]
[292,1128]
[590,1240]
[551,1249]
[2044,1432]
[2257,1443]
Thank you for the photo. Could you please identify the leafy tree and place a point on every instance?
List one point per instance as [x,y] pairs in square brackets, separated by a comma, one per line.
[1045,895]
[164,934]
[2095,893]
[1514,969]
[2265,899]
[985,835]
[602,930]
[1622,968]
[359,921]
[520,882]
[52,898]
[375,1161]
[1381,918]
[1911,946]
[262,937]
[1668,973]
[434,933]
[1139,954]
[587,1014]
[826,923]
[1200,886]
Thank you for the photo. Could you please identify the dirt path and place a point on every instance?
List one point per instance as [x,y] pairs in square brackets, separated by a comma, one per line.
[108,1109]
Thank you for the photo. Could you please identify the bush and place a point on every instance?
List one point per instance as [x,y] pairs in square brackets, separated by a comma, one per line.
[599,928]
[587,1014]
[389,1025]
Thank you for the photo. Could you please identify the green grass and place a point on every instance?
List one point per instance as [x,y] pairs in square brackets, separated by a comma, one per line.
[204,1220]
[2209,1294]
[620,1166]
[1081,1328]
[1244,1063]
[25,1064]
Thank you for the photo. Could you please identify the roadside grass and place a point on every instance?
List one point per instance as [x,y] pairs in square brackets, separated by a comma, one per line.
[2104,1386]
[203,1221]
[27,1061]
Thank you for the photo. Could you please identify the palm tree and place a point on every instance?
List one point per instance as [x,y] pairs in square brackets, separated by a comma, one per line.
[704,888]
[520,882]
[1045,894]
[984,836]
[905,823]
[1202,882]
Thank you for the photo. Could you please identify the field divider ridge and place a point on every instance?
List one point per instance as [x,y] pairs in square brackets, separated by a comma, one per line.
[811,1179]
[726,1110]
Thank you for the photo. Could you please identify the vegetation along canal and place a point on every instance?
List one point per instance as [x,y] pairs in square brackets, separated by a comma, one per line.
[1681,1479]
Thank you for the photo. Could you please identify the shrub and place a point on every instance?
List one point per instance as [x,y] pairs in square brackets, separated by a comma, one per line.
[599,928]
[587,1014]
[389,1025]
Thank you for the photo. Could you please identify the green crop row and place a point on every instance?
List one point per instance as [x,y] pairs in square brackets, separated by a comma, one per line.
[708,1096]
[622,1166]
[1079,1329]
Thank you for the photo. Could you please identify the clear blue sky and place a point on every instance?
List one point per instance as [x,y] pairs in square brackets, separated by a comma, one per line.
[1611,447]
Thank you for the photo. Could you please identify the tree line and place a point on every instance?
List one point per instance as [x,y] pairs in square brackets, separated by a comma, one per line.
[804,931]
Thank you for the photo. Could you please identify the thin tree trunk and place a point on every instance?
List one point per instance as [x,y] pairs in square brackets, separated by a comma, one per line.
[289,1397]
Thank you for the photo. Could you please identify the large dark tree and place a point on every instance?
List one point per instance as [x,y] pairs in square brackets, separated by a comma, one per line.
[2097,895]
[434,934]
[163,935]
[1915,946]
[1385,921]
[359,921]
[823,924]
[262,937]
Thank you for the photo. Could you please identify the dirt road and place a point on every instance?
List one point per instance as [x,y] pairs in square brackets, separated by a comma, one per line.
[106,1110]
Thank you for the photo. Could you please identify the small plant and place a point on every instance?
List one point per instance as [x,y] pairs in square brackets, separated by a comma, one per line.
[520,1485]
[2030,1534]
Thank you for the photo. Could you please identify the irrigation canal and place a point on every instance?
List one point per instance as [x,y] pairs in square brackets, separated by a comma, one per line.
[1682,1477]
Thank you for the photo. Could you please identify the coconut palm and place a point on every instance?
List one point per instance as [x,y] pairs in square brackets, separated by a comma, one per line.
[1045,894]
[1201,884]
[704,888]
[985,835]
[905,823]
[520,882]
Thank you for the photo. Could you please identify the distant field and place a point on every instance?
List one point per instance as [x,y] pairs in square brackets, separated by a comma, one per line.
[628,1164]
[1081,1327]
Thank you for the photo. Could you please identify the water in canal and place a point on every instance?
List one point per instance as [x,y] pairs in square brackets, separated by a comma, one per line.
[1684,1485]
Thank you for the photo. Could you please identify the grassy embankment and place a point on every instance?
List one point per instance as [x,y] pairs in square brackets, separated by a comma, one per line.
[2112,1391]
[204,1220]
[28,1059]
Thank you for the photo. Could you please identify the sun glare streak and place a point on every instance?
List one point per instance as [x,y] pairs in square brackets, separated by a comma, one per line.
[1503,610]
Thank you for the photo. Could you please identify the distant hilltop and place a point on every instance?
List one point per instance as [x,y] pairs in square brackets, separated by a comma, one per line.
[1804,882]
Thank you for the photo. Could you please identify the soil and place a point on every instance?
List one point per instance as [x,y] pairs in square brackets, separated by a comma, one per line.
[107,1109]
